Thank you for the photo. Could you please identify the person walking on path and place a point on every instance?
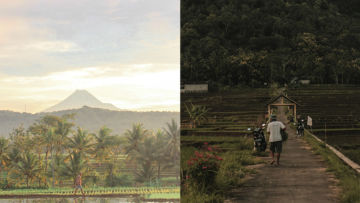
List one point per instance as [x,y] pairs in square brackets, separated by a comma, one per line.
[78,184]
[274,128]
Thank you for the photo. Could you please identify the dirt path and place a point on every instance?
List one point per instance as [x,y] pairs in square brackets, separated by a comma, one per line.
[301,177]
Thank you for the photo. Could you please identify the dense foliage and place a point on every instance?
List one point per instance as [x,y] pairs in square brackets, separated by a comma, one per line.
[252,42]
[91,119]
[52,152]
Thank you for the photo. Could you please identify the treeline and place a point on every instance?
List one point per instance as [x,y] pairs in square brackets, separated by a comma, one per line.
[252,42]
[52,152]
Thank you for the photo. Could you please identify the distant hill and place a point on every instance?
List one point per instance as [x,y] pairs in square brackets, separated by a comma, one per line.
[79,99]
[91,119]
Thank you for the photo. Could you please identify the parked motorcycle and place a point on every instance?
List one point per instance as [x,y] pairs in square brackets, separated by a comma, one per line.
[300,128]
[259,139]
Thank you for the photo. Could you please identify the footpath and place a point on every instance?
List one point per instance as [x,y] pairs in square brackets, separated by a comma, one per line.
[301,177]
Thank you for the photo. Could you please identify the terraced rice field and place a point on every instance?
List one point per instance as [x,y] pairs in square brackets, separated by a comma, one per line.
[117,194]
[335,111]
[230,113]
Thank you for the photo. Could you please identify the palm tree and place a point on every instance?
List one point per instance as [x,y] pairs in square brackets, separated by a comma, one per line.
[197,114]
[80,142]
[173,136]
[62,131]
[134,137]
[28,166]
[50,121]
[38,147]
[45,130]
[173,145]
[40,130]
[47,138]
[4,156]
[146,157]
[14,156]
[76,164]
[17,138]
[53,131]
[37,130]
[162,158]
[103,143]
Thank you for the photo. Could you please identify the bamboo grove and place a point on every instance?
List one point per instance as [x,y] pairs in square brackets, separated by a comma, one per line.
[53,151]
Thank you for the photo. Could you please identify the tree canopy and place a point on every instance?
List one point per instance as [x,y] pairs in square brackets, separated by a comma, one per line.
[252,42]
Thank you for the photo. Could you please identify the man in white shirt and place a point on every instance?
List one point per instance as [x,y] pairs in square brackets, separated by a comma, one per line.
[275,139]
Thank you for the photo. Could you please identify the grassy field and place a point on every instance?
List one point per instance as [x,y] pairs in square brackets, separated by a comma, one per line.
[165,192]
[349,179]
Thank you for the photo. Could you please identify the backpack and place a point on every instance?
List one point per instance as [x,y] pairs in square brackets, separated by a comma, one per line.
[284,135]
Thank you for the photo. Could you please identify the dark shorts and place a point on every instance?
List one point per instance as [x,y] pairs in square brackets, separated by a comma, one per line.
[276,147]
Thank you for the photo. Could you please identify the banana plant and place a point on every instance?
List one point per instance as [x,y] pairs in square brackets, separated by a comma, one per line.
[197,114]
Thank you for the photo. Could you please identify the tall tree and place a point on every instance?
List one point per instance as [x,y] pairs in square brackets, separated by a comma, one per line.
[172,132]
[134,137]
[62,130]
[28,166]
[77,163]
[162,157]
[103,143]
[4,156]
[81,142]
[296,35]
[146,157]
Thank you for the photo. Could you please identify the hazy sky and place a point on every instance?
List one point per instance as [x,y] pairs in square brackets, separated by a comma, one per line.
[124,52]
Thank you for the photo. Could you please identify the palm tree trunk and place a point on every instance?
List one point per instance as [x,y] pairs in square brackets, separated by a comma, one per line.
[177,174]
[39,155]
[159,171]
[52,168]
[46,159]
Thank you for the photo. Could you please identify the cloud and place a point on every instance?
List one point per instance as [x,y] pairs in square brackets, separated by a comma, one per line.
[124,51]
[53,46]
[136,89]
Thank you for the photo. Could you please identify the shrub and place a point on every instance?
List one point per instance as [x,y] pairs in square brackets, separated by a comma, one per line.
[195,197]
[122,180]
[231,170]
[202,169]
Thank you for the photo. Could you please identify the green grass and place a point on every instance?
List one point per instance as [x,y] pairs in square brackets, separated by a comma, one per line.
[232,168]
[186,153]
[93,191]
[164,196]
[213,138]
[195,197]
[168,179]
[240,132]
[349,179]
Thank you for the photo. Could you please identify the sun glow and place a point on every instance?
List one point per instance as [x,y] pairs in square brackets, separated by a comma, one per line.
[123,52]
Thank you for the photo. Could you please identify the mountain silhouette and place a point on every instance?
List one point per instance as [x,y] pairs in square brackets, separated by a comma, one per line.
[77,100]
[91,119]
